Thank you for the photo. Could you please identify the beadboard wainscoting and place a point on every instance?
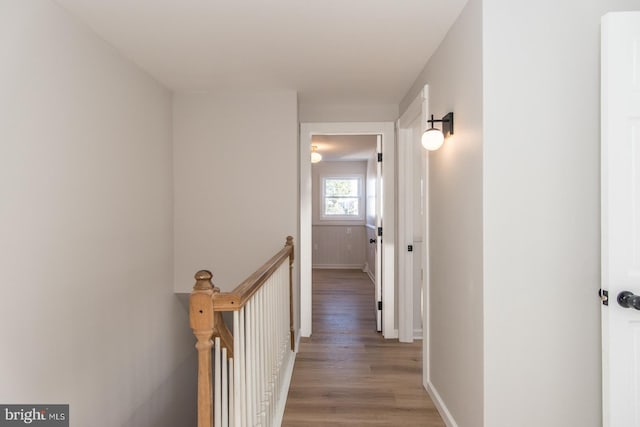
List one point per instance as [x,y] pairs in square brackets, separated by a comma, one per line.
[340,243]
[339,246]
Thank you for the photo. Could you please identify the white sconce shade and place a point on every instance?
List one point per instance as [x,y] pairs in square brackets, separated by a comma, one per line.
[315,157]
[432,139]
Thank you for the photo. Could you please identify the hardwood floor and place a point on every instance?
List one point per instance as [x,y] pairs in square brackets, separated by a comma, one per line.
[346,373]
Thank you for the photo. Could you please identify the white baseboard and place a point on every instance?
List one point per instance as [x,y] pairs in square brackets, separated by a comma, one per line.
[298,337]
[370,274]
[338,266]
[440,406]
[417,334]
[391,335]
[284,390]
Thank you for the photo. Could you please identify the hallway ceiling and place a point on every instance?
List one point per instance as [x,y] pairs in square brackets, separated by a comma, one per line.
[330,51]
[345,147]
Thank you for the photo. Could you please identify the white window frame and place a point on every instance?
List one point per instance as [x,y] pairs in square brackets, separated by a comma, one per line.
[361,197]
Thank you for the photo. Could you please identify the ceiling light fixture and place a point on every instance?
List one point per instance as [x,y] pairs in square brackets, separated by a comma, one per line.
[315,156]
[433,138]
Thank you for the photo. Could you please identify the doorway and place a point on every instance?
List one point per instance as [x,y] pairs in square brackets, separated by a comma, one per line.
[318,131]
[345,175]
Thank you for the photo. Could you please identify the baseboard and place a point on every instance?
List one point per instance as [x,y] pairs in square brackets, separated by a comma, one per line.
[391,335]
[338,266]
[370,274]
[284,390]
[297,344]
[440,406]
[417,334]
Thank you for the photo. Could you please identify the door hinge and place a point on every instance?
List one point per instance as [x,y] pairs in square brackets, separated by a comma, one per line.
[379,305]
[410,248]
[380,231]
[604,296]
[379,157]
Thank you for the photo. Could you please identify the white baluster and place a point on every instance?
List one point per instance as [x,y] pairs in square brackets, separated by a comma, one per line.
[232,395]
[225,390]
[260,323]
[243,370]
[267,354]
[237,351]
[269,338]
[250,384]
[217,398]
[273,342]
[255,354]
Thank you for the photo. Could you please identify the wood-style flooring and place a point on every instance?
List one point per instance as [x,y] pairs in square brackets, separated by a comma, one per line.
[346,373]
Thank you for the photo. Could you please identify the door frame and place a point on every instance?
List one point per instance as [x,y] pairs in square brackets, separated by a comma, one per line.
[307,131]
[418,107]
[405,220]
[377,280]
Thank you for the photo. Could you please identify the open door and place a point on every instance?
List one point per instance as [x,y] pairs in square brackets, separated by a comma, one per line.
[620,174]
[378,268]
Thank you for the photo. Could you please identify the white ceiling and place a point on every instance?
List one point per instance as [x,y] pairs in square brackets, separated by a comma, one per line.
[344,147]
[330,51]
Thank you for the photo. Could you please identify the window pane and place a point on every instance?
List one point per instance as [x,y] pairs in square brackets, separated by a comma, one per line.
[345,187]
[347,206]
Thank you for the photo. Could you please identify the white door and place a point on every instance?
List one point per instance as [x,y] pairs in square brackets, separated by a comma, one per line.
[621,217]
[378,267]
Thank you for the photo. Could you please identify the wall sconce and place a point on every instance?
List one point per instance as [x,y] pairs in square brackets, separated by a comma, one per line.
[433,138]
[315,156]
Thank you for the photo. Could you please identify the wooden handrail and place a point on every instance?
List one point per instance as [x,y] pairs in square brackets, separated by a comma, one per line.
[208,301]
[237,298]
[207,304]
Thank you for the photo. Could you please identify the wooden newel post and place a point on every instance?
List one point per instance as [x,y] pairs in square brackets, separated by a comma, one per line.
[291,259]
[201,319]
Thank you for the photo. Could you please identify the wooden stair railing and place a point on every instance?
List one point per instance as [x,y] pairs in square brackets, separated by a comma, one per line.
[242,385]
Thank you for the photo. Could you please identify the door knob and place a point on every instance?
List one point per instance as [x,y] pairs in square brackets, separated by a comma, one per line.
[628,300]
[372,240]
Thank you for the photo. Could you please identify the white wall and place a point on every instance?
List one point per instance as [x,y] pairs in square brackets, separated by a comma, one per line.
[87,310]
[337,244]
[541,211]
[348,113]
[454,75]
[235,168]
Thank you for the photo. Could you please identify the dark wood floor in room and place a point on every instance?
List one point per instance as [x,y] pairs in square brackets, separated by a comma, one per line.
[346,374]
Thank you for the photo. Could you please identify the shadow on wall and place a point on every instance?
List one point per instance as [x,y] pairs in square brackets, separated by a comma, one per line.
[174,403]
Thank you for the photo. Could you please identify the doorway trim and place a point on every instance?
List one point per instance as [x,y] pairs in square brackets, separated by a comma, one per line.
[387,130]
[418,107]
[405,220]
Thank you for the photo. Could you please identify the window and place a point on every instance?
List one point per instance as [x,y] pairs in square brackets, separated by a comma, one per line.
[342,198]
